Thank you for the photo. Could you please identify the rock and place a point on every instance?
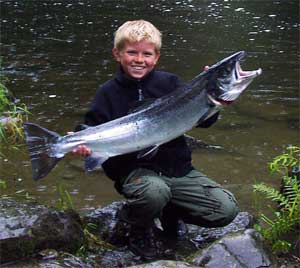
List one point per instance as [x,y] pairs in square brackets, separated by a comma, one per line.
[240,251]
[165,264]
[64,261]
[115,258]
[8,120]
[207,235]
[111,230]
[27,227]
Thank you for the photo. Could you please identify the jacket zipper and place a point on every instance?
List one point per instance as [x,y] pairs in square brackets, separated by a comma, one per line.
[141,97]
[140,91]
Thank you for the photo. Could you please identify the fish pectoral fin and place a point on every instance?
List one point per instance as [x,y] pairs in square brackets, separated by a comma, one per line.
[94,162]
[148,152]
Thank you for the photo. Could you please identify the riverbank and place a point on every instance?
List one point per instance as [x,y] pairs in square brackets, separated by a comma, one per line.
[33,235]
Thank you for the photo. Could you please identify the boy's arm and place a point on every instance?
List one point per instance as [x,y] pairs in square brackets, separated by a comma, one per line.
[100,110]
[98,114]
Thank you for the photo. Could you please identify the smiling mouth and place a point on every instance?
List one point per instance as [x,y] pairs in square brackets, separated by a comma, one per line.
[138,67]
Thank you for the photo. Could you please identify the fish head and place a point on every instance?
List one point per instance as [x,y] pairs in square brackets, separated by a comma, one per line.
[227,80]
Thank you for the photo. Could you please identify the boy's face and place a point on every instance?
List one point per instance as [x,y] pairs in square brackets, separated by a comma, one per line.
[137,59]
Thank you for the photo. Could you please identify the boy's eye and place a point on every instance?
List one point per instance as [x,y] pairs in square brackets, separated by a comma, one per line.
[131,52]
[148,54]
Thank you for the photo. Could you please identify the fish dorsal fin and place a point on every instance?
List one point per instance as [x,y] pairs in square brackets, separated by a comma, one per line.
[148,152]
[140,105]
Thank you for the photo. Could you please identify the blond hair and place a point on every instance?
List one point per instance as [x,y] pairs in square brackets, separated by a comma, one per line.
[136,31]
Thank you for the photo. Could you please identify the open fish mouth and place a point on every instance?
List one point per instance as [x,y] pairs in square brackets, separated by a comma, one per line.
[241,74]
[239,81]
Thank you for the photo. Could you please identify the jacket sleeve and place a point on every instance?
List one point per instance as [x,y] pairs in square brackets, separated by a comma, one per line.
[98,113]
[100,110]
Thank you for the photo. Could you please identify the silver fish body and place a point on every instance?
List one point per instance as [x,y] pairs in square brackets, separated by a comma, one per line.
[151,125]
[160,122]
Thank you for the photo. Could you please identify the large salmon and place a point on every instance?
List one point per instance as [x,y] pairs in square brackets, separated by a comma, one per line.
[151,125]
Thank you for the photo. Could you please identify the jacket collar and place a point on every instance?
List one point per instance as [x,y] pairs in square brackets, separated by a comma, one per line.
[127,81]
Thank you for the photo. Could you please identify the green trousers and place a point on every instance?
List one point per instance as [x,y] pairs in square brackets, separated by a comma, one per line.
[193,198]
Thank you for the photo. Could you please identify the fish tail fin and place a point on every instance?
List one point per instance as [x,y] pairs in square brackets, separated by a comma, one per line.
[40,143]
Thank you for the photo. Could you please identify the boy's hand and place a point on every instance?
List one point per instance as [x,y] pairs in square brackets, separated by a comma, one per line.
[81,150]
[206,67]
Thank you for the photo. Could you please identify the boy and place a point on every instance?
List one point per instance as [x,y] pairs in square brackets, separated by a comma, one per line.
[165,185]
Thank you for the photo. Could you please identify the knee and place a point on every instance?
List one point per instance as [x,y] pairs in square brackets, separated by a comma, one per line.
[227,211]
[219,214]
[148,192]
[157,195]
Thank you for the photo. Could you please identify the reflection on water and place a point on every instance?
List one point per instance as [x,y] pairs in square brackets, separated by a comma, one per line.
[56,53]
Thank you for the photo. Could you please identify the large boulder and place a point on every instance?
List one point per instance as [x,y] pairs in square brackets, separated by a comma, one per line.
[27,227]
[203,236]
[165,264]
[242,250]
[108,227]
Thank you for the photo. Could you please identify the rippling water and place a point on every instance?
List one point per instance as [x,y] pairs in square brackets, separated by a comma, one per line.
[56,53]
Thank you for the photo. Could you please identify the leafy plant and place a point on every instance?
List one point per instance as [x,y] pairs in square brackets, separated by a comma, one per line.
[286,215]
[12,115]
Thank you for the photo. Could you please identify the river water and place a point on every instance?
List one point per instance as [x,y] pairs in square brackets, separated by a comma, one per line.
[56,53]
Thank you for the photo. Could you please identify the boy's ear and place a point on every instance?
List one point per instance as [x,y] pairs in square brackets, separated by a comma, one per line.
[116,54]
[157,56]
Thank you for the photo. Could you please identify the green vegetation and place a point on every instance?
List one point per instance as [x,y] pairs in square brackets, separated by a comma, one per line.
[92,242]
[285,218]
[12,116]
[65,200]
[2,184]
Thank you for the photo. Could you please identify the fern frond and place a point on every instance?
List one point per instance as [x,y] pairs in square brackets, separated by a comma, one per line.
[284,162]
[281,225]
[281,245]
[291,190]
[286,215]
[272,194]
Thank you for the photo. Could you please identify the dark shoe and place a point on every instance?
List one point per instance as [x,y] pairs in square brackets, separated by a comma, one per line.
[141,242]
[119,233]
[173,228]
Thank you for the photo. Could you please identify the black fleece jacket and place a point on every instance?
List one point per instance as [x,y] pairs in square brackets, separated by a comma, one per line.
[115,98]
